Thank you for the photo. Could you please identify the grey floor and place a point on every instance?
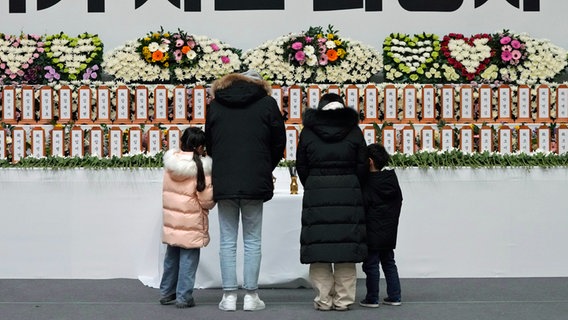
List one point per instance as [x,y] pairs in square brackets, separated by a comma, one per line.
[424,299]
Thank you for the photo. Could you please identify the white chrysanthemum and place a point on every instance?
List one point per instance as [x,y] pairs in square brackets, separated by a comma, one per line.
[544,61]
[268,59]
[124,63]
[164,47]
[191,54]
[153,46]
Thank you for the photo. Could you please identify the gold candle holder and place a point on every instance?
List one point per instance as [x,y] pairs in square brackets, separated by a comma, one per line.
[293,185]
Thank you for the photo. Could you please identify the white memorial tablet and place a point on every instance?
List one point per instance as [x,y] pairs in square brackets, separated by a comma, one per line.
[57,142]
[389,139]
[428,104]
[103,104]
[446,138]
[371,104]
[180,104]
[141,110]
[84,108]
[199,102]
[46,104]
[291,142]
[485,103]
[504,103]
[115,142]
[77,145]
[38,142]
[314,94]
[448,103]
[278,95]
[391,105]
[28,105]
[154,141]
[543,134]
[160,104]
[96,142]
[352,97]
[427,139]
[485,139]
[174,138]
[18,144]
[408,145]
[409,107]
[294,104]
[134,141]
[524,103]
[562,103]
[562,139]
[9,104]
[65,104]
[505,142]
[524,139]
[122,105]
[466,104]
[466,140]
[543,105]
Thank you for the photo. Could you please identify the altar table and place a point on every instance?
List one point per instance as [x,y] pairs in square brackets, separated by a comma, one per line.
[101,224]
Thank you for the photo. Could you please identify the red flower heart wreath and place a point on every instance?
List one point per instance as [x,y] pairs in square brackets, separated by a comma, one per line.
[470,41]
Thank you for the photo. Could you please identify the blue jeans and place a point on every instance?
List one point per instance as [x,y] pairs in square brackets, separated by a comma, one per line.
[371,269]
[180,266]
[229,212]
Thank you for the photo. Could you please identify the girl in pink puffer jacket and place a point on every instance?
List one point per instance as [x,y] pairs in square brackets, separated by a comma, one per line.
[187,197]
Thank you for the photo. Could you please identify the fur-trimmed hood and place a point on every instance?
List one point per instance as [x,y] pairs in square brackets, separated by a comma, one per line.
[180,164]
[331,125]
[237,90]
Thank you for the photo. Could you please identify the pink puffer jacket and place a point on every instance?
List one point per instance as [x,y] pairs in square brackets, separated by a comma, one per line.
[186,211]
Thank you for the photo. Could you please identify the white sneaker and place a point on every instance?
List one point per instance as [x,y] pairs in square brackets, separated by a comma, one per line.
[229,302]
[253,303]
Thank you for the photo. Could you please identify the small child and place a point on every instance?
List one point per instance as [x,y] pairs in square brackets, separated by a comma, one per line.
[187,196]
[383,201]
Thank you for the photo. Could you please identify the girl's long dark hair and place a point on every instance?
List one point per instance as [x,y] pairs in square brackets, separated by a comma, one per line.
[191,139]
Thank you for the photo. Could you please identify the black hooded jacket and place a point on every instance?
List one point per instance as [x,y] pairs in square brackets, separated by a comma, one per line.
[332,164]
[245,138]
[383,201]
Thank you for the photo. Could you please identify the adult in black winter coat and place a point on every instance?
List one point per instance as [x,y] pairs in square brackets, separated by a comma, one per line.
[332,163]
[245,137]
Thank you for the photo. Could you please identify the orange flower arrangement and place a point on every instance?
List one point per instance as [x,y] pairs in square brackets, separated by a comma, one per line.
[331,55]
[157,56]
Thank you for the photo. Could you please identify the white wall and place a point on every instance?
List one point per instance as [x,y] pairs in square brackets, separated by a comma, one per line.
[246,29]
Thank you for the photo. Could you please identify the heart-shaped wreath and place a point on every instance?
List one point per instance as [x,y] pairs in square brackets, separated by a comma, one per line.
[73,58]
[468,55]
[18,56]
[411,58]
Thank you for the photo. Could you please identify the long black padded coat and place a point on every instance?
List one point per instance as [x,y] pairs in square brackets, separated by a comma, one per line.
[383,202]
[245,137]
[332,163]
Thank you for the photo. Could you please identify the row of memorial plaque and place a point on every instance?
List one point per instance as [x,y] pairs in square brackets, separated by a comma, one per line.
[402,140]
[102,108]
[389,108]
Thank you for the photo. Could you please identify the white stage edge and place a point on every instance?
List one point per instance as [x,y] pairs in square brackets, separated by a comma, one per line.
[102,224]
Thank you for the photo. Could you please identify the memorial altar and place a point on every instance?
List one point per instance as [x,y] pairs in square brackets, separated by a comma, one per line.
[70,112]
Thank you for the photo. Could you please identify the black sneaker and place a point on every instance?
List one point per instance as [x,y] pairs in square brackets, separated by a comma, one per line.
[368,304]
[168,299]
[391,302]
[189,304]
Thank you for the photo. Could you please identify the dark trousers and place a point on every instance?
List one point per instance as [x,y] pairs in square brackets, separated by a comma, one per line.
[371,268]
